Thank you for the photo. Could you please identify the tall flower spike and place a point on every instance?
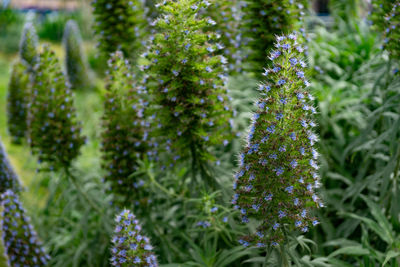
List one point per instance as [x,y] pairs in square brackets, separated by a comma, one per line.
[191,111]
[124,135]
[379,11]
[28,48]
[8,177]
[392,31]
[75,58]
[263,19]
[131,248]
[227,16]
[21,243]
[54,132]
[17,101]
[278,168]
[119,25]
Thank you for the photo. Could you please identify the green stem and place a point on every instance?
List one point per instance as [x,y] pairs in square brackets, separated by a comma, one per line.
[81,192]
[162,188]
[284,260]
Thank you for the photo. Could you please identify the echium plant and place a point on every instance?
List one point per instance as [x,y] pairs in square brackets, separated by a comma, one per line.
[17,101]
[263,20]
[392,31]
[75,59]
[22,246]
[190,107]
[8,177]
[28,48]
[54,131]
[379,10]
[124,135]
[278,174]
[119,26]
[227,16]
[131,248]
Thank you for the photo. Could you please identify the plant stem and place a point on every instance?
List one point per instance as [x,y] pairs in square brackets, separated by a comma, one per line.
[157,184]
[81,192]
[284,262]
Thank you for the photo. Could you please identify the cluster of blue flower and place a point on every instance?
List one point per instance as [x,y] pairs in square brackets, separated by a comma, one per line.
[131,248]
[22,246]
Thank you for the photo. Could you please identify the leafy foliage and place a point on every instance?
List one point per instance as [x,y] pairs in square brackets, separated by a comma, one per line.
[187,83]
[19,89]
[124,135]
[54,132]
[22,245]
[119,26]
[75,58]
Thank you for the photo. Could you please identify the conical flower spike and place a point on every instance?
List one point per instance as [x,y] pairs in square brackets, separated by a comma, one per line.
[278,173]
[124,135]
[21,243]
[28,48]
[54,131]
[131,248]
[392,31]
[8,177]
[19,89]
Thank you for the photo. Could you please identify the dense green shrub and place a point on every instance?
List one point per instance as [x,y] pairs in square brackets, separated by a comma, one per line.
[28,49]
[124,135]
[278,168]
[190,108]
[119,26]
[8,177]
[17,101]
[392,31]
[54,132]
[263,20]
[21,243]
[131,248]
[75,58]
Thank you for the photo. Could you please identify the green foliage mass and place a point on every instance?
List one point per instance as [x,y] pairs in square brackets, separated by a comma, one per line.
[19,88]
[28,48]
[119,26]
[380,9]
[190,110]
[263,20]
[54,132]
[75,59]
[124,135]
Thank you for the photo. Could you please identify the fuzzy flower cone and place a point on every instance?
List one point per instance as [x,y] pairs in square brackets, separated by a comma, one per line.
[119,25]
[392,31]
[17,101]
[190,104]
[263,19]
[8,177]
[54,131]
[124,136]
[131,248]
[227,16]
[75,58]
[28,48]
[21,243]
[278,173]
